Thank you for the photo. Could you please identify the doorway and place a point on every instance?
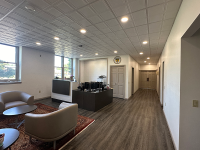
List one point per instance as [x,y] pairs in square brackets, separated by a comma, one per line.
[148,79]
[163,86]
[132,81]
[117,81]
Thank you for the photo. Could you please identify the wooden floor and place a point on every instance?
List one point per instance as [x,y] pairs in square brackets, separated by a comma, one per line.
[134,124]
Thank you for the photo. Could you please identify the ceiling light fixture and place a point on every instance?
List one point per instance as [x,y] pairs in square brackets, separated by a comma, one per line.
[81,55]
[145,42]
[83,31]
[145,61]
[96,54]
[38,43]
[148,57]
[141,53]
[124,19]
[115,51]
[30,8]
[56,38]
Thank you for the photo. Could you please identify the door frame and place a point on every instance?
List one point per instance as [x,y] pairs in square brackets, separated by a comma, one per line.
[163,81]
[133,77]
[124,76]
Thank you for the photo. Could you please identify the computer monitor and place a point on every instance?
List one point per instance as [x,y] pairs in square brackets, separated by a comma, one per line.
[93,85]
[87,85]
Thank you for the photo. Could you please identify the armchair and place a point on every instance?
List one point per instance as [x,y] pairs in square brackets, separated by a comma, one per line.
[52,126]
[14,98]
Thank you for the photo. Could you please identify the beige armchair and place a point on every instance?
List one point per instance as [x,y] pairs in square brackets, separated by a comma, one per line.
[52,126]
[14,98]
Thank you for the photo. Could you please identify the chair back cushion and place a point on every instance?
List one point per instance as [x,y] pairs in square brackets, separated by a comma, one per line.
[10,96]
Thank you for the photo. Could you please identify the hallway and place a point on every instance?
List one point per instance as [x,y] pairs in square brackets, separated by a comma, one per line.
[134,124]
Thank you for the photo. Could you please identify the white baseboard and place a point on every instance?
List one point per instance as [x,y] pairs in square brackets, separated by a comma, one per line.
[42,98]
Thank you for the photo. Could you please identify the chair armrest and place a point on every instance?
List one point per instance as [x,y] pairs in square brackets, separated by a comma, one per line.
[2,106]
[29,99]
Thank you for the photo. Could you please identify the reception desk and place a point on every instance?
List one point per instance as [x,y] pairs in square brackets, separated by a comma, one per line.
[62,90]
[92,101]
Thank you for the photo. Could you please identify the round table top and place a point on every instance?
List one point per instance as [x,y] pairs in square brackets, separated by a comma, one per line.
[11,135]
[18,110]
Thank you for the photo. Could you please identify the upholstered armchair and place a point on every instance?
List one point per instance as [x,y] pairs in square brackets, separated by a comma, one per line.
[14,98]
[52,126]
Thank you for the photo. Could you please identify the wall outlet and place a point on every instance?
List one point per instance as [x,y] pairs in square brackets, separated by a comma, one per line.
[195,103]
[39,91]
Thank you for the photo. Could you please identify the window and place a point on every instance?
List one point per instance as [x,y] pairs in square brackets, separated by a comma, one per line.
[63,67]
[9,63]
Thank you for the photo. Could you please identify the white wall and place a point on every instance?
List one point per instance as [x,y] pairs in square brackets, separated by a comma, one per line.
[91,69]
[148,67]
[190,85]
[37,74]
[171,55]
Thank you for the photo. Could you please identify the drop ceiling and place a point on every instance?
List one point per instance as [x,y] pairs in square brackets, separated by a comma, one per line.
[149,20]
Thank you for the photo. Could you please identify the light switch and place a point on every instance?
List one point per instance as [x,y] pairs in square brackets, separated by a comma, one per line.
[195,103]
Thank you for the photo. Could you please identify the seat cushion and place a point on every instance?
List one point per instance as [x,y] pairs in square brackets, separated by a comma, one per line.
[14,104]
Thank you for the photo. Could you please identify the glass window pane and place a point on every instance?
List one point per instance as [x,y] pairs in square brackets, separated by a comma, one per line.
[67,72]
[7,53]
[7,71]
[67,62]
[58,72]
[57,61]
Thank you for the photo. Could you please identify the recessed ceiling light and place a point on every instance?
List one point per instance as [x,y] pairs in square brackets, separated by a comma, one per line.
[81,55]
[148,57]
[30,8]
[141,53]
[83,31]
[145,42]
[38,43]
[145,61]
[124,19]
[115,51]
[96,54]
[56,38]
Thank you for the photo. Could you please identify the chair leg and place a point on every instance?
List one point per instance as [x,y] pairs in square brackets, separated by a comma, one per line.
[54,144]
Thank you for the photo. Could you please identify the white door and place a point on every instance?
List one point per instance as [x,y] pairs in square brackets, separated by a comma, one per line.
[148,79]
[117,81]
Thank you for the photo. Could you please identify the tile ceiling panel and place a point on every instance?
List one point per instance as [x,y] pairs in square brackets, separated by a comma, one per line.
[149,20]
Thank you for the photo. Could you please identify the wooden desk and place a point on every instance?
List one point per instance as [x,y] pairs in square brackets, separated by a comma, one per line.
[92,101]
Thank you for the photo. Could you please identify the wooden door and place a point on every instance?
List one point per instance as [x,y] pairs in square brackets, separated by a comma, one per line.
[117,82]
[148,79]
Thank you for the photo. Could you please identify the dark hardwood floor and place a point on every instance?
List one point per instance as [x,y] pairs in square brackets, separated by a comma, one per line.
[134,124]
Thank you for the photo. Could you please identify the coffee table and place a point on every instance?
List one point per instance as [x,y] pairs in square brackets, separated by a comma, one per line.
[15,111]
[11,135]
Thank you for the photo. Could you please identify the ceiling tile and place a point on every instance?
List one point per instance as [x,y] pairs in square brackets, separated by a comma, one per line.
[155,10]
[116,3]
[76,3]
[171,14]
[136,5]
[131,32]
[155,18]
[54,12]
[173,5]
[46,16]
[75,16]
[112,22]
[154,2]
[116,28]
[142,30]
[87,11]
[64,7]
[121,10]
[107,15]
[106,30]
[39,3]
[101,25]
[6,4]
[139,22]
[100,6]
[65,19]
[58,23]
[155,27]
[95,19]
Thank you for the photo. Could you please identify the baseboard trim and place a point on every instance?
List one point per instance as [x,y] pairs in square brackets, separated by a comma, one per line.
[42,98]
[59,101]
[170,132]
